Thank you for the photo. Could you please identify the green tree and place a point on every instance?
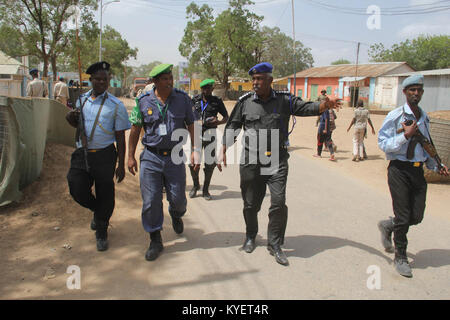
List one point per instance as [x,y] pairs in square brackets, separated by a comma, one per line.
[221,46]
[422,53]
[277,48]
[340,61]
[41,25]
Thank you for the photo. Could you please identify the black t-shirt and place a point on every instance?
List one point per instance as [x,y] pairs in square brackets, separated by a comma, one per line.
[211,108]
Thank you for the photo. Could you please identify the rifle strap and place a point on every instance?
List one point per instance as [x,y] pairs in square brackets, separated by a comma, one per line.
[98,115]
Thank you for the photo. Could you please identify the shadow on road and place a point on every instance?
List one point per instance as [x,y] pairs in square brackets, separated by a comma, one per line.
[430,258]
[306,246]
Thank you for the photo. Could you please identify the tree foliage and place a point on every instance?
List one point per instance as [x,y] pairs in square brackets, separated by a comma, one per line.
[422,53]
[41,25]
[234,41]
[46,30]
[277,48]
[340,61]
[221,46]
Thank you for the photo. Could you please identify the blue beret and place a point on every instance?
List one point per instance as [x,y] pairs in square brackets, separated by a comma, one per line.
[34,70]
[263,67]
[93,68]
[411,80]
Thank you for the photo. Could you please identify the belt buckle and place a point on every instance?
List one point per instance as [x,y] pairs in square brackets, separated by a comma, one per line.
[416,164]
[164,153]
[92,150]
[268,153]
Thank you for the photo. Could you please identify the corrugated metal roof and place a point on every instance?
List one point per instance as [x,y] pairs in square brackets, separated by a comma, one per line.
[8,65]
[4,59]
[9,69]
[436,72]
[347,70]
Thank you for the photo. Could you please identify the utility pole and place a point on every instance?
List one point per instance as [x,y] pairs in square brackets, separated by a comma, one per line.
[293,34]
[356,75]
[101,14]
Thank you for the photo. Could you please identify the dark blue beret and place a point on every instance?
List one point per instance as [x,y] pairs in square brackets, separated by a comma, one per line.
[34,70]
[102,65]
[263,67]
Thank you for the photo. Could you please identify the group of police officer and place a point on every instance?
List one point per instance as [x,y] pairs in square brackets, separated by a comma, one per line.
[263,114]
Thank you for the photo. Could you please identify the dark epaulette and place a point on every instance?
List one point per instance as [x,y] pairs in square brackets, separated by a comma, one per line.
[245,96]
[143,95]
[282,92]
[181,91]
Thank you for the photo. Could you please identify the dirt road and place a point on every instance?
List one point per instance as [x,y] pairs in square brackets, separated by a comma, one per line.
[331,239]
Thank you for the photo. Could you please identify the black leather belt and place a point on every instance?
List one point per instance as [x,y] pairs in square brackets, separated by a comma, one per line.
[407,164]
[161,152]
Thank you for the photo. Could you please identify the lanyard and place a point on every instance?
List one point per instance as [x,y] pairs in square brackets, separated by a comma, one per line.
[203,107]
[163,111]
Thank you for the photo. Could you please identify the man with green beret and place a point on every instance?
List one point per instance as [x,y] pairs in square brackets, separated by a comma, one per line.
[160,113]
[206,108]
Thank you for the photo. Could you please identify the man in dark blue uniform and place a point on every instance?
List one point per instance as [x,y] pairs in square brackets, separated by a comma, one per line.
[105,120]
[207,107]
[160,113]
[265,114]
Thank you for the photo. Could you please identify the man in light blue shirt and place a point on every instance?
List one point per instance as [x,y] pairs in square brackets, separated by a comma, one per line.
[104,120]
[405,172]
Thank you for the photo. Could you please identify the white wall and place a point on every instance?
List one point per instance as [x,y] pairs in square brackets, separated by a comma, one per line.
[386,91]
[10,88]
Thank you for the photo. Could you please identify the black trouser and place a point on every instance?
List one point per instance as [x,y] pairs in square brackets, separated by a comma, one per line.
[408,191]
[253,190]
[324,138]
[209,167]
[102,166]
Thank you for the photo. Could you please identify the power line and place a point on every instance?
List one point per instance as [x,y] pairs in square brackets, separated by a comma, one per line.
[392,11]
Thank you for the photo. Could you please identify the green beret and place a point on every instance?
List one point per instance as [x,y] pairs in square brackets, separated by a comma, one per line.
[206,82]
[162,68]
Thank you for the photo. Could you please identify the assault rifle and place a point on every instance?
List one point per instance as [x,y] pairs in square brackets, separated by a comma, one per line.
[81,132]
[418,137]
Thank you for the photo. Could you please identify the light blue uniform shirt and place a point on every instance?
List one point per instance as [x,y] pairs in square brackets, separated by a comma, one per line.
[395,145]
[113,117]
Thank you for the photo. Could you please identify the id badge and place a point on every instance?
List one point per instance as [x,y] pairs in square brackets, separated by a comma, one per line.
[162,129]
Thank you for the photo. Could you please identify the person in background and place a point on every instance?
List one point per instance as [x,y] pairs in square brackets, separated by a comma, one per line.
[360,120]
[61,91]
[36,87]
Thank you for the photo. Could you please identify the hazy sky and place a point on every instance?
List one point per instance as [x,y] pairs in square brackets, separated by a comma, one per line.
[156,27]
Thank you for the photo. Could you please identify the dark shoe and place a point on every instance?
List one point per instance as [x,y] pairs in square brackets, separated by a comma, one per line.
[193,192]
[280,256]
[153,251]
[249,245]
[102,239]
[156,246]
[102,244]
[386,228]
[206,195]
[93,225]
[402,267]
[177,224]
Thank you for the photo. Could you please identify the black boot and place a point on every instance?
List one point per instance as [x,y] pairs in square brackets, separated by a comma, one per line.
[101,235]
[156,246]
[280,256]
[249,245]
[195,180]
[208,175]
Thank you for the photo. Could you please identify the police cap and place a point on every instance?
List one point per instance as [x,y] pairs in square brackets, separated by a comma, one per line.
[102,65]
[206,82]
[33,71]
[412,80]
[263,67]
[160,69]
